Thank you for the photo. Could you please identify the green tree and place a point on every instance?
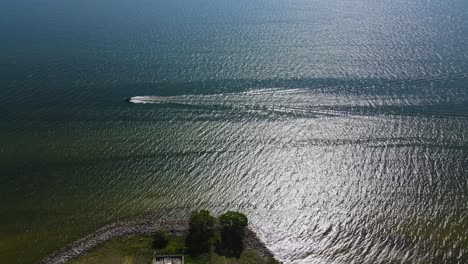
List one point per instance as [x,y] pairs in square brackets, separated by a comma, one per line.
[232,226]
[201,230]
[160,239]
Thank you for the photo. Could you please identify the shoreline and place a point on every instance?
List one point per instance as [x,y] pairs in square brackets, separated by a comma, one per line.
[127,229]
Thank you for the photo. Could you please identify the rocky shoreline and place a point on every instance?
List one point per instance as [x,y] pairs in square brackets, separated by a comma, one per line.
[126,229]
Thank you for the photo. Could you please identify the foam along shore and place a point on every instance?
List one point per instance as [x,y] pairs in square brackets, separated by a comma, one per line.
[127,229]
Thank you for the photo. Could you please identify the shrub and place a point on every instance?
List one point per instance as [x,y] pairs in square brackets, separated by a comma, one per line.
[170,250]
[160,239]
[201,230]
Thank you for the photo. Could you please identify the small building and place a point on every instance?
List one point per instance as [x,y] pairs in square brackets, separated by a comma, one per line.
[168,259]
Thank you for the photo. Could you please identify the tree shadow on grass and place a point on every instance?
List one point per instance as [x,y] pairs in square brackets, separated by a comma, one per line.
[232,249]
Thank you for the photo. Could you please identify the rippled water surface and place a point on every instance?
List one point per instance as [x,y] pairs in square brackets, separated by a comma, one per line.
[339,127]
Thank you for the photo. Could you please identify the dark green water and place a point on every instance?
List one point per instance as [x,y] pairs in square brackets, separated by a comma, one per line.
[339,127]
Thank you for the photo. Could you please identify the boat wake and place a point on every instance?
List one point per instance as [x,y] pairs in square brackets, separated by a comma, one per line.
[310,101]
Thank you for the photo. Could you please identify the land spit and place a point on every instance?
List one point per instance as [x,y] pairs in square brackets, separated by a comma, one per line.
[127,229]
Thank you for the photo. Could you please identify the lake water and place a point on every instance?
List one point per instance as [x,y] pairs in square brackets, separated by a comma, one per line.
[339,127]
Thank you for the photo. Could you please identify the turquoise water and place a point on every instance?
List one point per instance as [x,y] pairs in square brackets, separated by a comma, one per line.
[339,127]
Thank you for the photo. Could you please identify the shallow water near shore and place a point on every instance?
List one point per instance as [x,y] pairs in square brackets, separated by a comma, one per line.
[340,129]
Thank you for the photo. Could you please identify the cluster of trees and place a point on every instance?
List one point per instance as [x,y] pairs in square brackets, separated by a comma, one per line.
[232,227]
[225,234]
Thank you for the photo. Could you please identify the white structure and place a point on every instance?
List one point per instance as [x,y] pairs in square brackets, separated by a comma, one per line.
[168,259]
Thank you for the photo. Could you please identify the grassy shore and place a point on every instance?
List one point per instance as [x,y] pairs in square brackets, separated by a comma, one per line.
[137,250]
